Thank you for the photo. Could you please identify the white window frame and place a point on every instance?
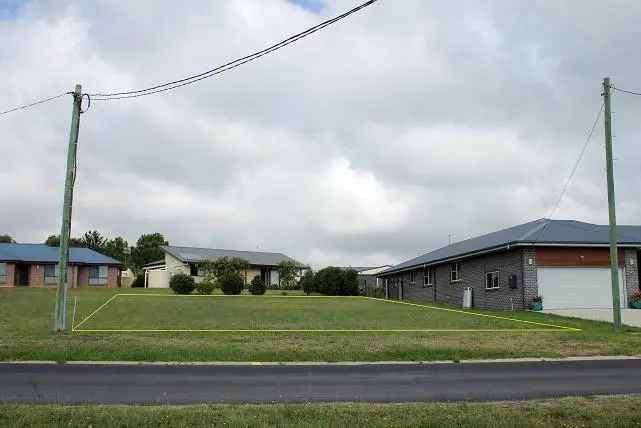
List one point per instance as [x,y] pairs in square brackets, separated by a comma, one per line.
[49,280]
[428,277]
[412,277]
[100,279]
[455,267]
[495,275]
[3,273]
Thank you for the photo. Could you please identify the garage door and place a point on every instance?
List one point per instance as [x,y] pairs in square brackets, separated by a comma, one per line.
[566,288]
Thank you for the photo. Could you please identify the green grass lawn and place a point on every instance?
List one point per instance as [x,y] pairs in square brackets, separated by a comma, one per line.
[26,319]
[154,312]
[568,412]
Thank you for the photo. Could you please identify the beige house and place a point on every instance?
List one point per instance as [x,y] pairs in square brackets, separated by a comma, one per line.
[187,259]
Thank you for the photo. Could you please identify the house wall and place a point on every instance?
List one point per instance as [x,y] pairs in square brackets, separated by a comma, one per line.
[36,275]
[631,271]
[10,271]
[473,272]
[175,266]
[252,272]
[113,276]
[82,276]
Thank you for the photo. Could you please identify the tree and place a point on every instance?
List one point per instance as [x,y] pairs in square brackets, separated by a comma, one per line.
[218,268]
[307,283]
[94,240]
[6,239]
[287,274]
[116,248]
[54,241]
[148,249]
[334,281]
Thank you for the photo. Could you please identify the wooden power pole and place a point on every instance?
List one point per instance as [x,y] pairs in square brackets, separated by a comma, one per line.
[70,178]
[614,258]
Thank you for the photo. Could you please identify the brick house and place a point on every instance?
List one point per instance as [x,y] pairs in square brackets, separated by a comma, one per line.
[36,265]
[565,262]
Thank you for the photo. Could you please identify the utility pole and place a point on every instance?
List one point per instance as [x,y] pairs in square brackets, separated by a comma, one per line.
[70,178]
[614,258]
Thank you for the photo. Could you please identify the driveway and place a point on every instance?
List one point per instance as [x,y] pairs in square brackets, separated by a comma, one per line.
[631,317]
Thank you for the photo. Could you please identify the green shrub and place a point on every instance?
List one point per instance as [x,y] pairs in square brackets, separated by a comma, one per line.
[231,283]
[307,283]
[139,282]
[257,286]
[205,287]
[182,284]
[334,281]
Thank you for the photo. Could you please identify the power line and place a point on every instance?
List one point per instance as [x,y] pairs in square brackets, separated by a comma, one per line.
[626,91]
[227,66]
[35,103]
[572,172]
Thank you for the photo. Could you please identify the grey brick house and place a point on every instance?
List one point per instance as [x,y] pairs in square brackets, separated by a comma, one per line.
[564,261]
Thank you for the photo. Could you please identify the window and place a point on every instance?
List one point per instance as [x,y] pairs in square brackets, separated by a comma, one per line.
[492,280]
[428,279]
[412,277]
[98,275]
[193,269]
[3,273]
[455,272]
[51,274]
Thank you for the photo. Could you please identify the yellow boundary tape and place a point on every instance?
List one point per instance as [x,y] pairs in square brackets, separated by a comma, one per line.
[551,327]
[475,313]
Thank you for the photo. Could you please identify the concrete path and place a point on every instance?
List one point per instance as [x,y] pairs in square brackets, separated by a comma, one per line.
[171,384]
[631,317]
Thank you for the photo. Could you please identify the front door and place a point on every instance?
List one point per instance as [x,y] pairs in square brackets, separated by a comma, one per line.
[22,275]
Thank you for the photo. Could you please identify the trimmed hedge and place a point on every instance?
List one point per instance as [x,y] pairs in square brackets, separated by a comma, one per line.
[231,283]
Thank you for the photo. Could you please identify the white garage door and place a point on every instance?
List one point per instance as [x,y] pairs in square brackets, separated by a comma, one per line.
[566,288]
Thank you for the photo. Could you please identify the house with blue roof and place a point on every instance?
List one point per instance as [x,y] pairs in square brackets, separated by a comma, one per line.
[36,265]
[565,262]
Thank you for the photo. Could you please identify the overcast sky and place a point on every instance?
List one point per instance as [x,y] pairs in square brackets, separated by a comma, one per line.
[364,144]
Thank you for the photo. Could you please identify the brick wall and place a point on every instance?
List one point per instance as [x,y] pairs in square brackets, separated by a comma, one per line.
[472,272]
[36,275]
[631,271]
[10,270]
[83,276]
[113,274]
[530,276]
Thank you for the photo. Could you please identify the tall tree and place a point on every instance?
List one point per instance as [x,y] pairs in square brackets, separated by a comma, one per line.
[148,249]
[54,241]
[6,239]
[94,240]
[287,270]
[117,248]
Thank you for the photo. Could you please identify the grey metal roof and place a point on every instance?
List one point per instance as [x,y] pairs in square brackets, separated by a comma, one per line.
[538,232]
[360,268]
[32,253]
[194,255]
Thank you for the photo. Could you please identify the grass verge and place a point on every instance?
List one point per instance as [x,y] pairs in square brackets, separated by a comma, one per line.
[568,412]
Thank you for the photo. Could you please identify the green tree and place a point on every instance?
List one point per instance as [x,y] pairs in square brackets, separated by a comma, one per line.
[54,241]
[148,249]
[117,248]
[287,270]
[6,239]
[94,240]
[334,281]
[216,269]
[307,282]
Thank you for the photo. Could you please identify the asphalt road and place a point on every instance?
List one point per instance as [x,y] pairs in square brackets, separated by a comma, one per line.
[151,384]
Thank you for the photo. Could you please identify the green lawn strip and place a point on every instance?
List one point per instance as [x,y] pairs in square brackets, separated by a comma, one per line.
[623,411]
[27,320]
[167,312]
